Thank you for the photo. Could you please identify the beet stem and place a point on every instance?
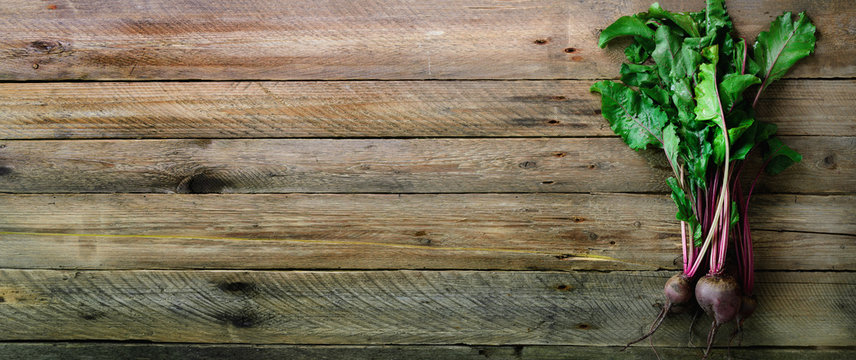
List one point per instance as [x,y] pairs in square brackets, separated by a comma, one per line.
[717,220]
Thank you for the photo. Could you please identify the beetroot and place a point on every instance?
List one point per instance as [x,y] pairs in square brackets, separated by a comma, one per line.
[719,297]
[679,293]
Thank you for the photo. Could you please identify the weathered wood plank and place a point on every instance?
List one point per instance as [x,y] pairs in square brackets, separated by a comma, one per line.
[110,351]
[455,231]
[399,307]
[402,39]
[794,107]
[380,166]
[364,109]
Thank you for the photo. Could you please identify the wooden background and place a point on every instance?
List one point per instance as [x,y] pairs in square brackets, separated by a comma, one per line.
[382,179]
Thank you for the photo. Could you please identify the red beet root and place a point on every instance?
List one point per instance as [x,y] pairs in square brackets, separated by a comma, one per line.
[679,293]
[719,297]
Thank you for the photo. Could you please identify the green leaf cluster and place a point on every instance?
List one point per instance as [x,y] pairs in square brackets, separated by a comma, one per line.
[690,88]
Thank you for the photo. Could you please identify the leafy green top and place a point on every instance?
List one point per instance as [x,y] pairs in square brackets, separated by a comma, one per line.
[782,46]
[683,90]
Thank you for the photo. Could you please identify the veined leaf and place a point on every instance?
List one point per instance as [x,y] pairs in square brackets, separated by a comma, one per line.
[730,48]
[735,214]
[697,233]
[732,87]
[751,67]
[631,115]
[716,21]
[686,63]
[733,134]
[668,46]
[708,106]
[639,75]
[625,26]
[782,46]
[682,97]
[685,210]
[747,141]
[696,151]
[780,156]
[740,57]
[657,94]
[635,52]
[765,131]
[671,145]
[682,20]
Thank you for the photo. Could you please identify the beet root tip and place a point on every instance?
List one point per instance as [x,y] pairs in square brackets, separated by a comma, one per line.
[679,294]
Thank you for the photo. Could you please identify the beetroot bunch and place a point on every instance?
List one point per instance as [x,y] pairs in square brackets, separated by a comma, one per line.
[690,88]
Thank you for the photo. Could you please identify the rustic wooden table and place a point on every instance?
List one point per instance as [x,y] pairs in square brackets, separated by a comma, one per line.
[381,179]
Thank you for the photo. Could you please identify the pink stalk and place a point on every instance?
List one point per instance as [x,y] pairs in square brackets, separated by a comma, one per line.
[692,252]
[739,243]
[738,247]
[684,244]
[683,224]
[723,242]
[714,253]
[750,257]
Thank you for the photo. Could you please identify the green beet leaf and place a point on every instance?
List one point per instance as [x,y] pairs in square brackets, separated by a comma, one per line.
[682,97]
[747,141]
[636,53]
[639,75]
[667,47]
[716,22]
[671,145]
[697,233]
[734,133]
[685,209]
[765,131]
[778,49]
[735,214]
[625,26]
[696,151]
[631,115]
[708,106]
[658,95]
[687,61]
[780,156]
[732,87]
[682,20]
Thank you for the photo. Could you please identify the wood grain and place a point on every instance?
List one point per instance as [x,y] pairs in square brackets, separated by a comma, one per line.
[401,39]
[454,231]
[364,109]
[399,307]
[381,166]
[110,351]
